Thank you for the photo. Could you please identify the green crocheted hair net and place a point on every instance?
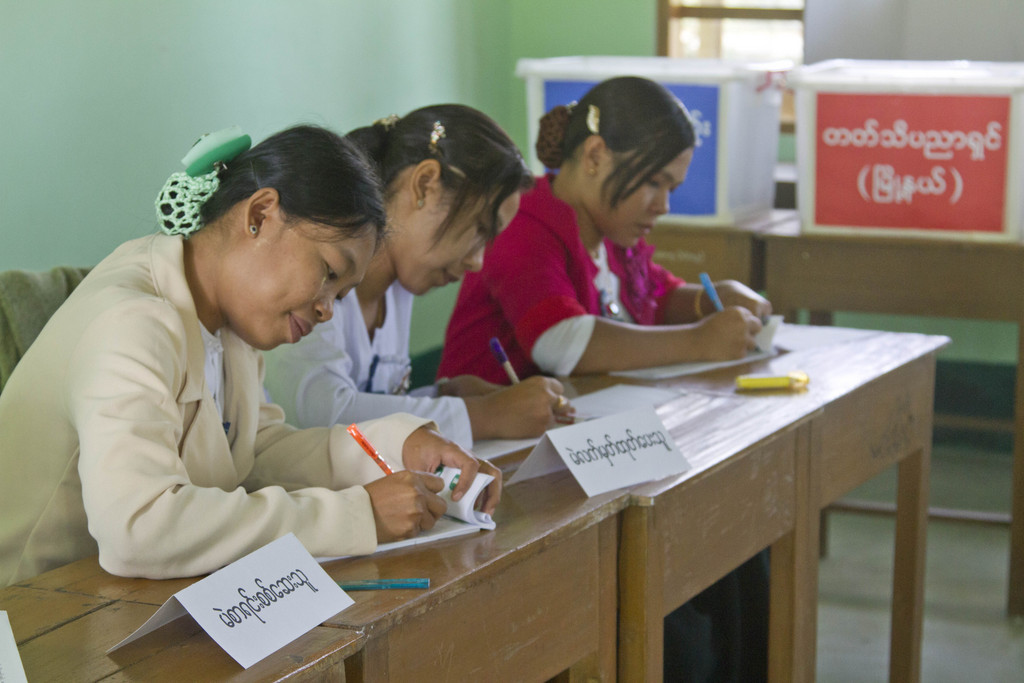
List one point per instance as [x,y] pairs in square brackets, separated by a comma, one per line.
[183,195]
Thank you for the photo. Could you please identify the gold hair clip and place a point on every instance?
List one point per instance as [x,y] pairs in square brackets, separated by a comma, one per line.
[593,119]
[435,137]
[389,121]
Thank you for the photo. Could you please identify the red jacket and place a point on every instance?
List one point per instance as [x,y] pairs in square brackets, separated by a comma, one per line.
[536,274]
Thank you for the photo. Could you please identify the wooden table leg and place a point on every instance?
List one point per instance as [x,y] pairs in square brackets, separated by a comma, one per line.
[1015,599]
[600,665]
[908,574]
[641,620]
[793,616]
[369,664]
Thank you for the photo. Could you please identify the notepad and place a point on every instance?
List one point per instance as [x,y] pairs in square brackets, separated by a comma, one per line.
[460,519]
[765,349]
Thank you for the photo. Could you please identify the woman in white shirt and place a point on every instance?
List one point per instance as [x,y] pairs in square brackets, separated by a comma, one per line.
[452,182]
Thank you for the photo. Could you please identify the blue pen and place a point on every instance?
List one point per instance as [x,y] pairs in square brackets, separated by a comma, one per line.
[709,287]
[373,370]
[383,584]
[499,353]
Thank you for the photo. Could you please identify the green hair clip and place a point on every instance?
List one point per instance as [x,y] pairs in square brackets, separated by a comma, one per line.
[183,195]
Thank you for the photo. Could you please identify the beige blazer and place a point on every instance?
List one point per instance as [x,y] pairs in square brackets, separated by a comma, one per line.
[110,441]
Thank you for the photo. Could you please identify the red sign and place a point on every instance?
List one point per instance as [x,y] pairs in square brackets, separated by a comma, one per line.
[929,162]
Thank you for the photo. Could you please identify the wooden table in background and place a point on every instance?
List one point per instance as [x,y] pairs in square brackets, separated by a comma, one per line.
[904,276]
[724,252]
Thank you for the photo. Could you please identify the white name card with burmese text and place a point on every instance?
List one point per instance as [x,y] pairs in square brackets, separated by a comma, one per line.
[11,668]
[258,604]
[607,454]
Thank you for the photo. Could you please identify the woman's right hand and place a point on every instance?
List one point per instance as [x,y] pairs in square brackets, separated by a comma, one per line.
[728,334]
[405,503]
[522,410]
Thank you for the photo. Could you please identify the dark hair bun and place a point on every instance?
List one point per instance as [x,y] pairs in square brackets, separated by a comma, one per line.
[551,136]
[372,139]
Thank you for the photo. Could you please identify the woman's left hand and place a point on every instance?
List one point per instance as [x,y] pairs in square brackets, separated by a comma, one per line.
[425,449]
[733,293]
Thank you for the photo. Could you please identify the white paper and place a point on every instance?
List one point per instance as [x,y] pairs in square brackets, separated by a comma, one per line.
[463,509]
[802,337]
[620,398]
[258,604]
[608,453]
[764,338]
[11,668]
[601,403]
[445,527]
[765,349]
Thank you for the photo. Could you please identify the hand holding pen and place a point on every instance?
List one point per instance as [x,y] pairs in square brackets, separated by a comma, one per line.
[732,332]
[405,502]
[733,293]
[561,408]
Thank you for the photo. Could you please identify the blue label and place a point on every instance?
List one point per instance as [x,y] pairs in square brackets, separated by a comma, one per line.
[696,196]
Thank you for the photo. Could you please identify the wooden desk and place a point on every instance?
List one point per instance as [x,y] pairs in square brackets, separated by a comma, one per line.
[538,597]
[63,635]
[956,279]
[764,469]
[533,600]
[530,601]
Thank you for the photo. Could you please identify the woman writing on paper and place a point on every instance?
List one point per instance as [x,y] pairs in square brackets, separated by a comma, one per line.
[452,182]
[135,425]
[569,287]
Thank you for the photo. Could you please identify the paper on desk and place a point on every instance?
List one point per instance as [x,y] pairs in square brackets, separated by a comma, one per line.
[802,337]
[602,403]
[463,509]
[11,668]
[765,349]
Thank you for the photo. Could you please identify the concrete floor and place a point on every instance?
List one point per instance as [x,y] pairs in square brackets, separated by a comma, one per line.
[967,635]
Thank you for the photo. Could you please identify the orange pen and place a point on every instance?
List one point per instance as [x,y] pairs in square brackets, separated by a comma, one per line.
[370,450]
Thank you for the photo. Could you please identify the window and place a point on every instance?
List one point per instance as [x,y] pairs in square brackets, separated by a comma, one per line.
[742,30]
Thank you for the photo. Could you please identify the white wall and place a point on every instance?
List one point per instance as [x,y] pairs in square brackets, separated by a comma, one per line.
[965,29]
[914,29]
[864,29]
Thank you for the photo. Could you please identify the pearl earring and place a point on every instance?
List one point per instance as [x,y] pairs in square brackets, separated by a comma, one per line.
[419,203]
[253,230]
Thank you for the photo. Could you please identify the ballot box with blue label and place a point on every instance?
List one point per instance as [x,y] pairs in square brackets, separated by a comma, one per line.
[734,108]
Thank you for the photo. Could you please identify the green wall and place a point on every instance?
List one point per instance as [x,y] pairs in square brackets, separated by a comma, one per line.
[509,31]
[99,101]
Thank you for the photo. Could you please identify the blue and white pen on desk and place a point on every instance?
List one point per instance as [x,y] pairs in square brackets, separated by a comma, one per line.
[499,353]
[709,287]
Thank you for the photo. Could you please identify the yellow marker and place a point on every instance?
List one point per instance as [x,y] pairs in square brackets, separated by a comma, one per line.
[791,381]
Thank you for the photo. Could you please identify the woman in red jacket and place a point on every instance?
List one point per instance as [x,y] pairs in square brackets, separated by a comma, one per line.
[569,287]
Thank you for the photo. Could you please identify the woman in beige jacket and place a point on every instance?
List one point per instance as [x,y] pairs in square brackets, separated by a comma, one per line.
[135,426]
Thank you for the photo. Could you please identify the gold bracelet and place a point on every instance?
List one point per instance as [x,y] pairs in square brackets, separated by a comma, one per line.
[696,306]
